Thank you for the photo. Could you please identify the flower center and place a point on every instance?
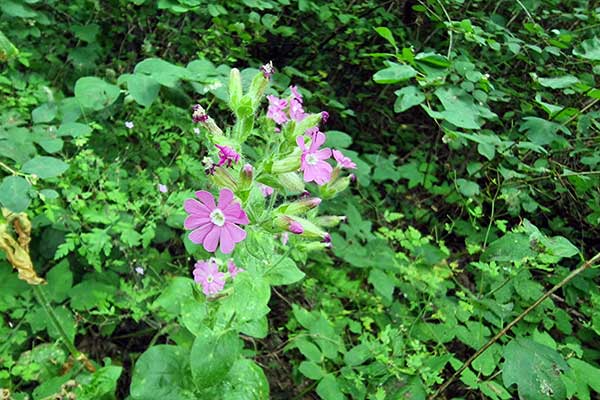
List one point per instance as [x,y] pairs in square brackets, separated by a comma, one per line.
[217,217]
[311,159]
[209,279]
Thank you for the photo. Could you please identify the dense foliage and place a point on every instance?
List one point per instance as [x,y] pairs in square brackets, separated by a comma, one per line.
[444,247]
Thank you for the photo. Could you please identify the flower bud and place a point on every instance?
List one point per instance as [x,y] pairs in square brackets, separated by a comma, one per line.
[335,187]
[222,178]
[291,181]
[314,246]
[246,174]
[300,206]
[199,115]
[287,223]
[257,88]
[235,88]
[288,164]
[329,221]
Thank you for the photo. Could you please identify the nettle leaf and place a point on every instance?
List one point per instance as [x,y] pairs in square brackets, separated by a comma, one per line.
[45,167]
[408,97]
[394,73]
[14,193]
[94,93]
[162,372]
[589,49]
[143,88]
[212,356]
[60,280]
[535,368]
[558,82]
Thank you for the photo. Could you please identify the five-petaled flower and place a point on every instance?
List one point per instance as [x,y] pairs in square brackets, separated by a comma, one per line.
[276,110]
[207,274]
[227,155]
[313,162]
[233,269]
[343,161]
[213,224]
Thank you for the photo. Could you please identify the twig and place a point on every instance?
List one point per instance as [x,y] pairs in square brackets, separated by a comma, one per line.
[515,321]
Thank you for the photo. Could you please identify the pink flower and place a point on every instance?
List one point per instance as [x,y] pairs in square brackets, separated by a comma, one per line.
[276,110]
[265,190]
[296,111]
[233,269]
[284,238]
[198,114]
[324,116]
[207,274]
[313,160]
[343,161]
[212,223]
[227,155]
[268,70]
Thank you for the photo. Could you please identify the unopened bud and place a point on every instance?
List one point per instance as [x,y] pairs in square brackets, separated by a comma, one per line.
[300,206]
[329,221]
[222,178]
[288,164]
[199,115]
[246,174]
[335,187]
[314,246]
[235,88]
[291,181]
[287,223]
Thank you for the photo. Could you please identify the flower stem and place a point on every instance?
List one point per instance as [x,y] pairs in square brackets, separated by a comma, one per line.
[77,355]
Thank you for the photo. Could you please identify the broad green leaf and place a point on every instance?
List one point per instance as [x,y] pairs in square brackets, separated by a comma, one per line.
[162,372]
[383,284]
[103,384]
[394,73]
[535,368]
[309,350]
[8,51]
[329,389]
[357,355]
[338,140]
[467,188]
[245,381]
[311,370]
[459,108]
[386,34]
[163,72]
[212,355]
[433,59]
[589,49]
[45,167]
[558,82]
[408,97]
[284,273]
[510,247]
[94,93]
[60,280]
[143,88]
[14,193]
[44,113]
[541,131]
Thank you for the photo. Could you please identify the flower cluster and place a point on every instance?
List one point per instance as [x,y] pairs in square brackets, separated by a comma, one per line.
[299,158]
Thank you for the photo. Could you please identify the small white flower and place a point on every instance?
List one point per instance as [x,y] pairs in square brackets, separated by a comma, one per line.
[139,270]
[129,125]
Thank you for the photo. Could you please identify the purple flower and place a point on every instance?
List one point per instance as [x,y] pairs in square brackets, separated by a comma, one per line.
[296,111]
[233,269]
[276,110]
[162,188]
[343,161]
[207,274]
[212,223]
[248,171]
[268,70]
[265,190]
[296,94]
[324,116]
[129,125]
[198,114]
[327,239]
[313,160]
[227,155]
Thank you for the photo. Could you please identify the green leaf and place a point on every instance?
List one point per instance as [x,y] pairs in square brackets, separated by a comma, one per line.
[8,51]
[558,82]
[284,273]
[338,139]
[357,355]
[535,368]
[45,167]
[541,131]
[162,372]
[60,280]
[74,129]
[94,93]
[394,73]
[311,370]
[44,113]
[163,72]
[143,88]
[309,350]
[245,381]
[510,247]
[589,49]
[433,59]
[383,284]
[408,97]
[459,108]
[14,193]
[212,355]
[329,389]
[386,34]
[467,188]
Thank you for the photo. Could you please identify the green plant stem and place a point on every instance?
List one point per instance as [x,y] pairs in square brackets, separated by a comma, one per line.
[515,321]
[77,355]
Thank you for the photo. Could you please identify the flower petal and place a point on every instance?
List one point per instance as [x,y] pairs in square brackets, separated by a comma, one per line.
[195,207]
[234,213]
[317,140]
[211,241]
[227,243]
[194,221]
[323,154]
[236,233]
[197,236]
[300,142]
[206,198]
[225,198]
